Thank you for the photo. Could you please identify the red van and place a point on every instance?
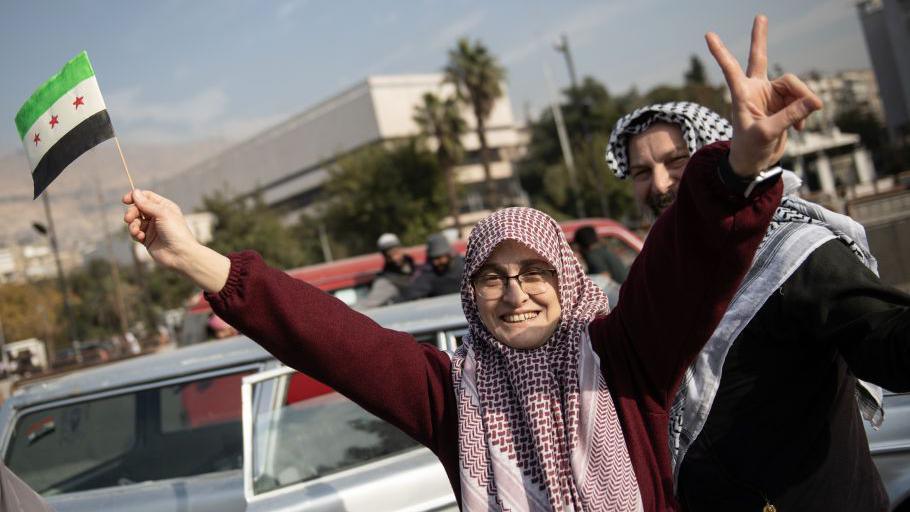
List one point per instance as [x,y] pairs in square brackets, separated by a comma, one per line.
[349,279]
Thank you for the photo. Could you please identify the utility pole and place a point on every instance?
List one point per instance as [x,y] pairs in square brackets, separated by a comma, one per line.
[115,268]
[563,47]
[564,144]
[61,278]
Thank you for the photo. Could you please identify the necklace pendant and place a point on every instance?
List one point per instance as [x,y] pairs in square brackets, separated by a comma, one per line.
[769,508]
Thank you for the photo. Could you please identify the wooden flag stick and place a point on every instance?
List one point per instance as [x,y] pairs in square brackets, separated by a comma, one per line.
[125,168]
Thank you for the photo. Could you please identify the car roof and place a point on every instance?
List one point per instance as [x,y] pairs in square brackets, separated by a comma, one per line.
[418,316]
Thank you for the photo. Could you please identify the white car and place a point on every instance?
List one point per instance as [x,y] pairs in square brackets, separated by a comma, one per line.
[170,432]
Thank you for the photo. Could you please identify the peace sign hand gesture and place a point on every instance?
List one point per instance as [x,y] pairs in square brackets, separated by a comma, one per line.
[763,109]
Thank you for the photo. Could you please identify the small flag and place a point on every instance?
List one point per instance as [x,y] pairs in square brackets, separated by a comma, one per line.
[64,118]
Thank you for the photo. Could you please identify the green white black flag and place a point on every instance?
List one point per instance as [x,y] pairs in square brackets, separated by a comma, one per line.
[64,118]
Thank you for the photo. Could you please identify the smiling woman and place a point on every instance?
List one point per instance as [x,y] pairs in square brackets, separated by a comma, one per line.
[521,316]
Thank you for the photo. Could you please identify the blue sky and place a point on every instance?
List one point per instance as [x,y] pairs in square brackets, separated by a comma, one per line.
[174,70]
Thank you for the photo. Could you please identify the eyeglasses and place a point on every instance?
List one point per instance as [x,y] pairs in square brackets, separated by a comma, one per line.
[533,281]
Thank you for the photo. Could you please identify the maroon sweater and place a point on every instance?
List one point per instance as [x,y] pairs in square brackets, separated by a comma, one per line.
[676,292]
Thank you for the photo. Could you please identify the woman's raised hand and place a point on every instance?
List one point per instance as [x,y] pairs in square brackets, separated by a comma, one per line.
[158,224]
[763,109]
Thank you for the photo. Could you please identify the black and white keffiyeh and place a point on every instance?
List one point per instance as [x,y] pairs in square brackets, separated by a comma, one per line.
[700,126]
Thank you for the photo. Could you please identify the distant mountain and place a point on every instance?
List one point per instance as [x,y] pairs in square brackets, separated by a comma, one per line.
[74,199]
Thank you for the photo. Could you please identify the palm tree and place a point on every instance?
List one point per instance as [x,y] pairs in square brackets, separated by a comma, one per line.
[441,120]
[477,77]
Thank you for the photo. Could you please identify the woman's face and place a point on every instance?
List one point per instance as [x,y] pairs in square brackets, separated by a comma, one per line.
[518,319]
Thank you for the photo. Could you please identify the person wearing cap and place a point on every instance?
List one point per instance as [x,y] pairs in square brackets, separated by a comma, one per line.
[395,276]
[440,275]
[770,413]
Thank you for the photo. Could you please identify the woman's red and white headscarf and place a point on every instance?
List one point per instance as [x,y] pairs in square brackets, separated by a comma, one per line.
[538,429]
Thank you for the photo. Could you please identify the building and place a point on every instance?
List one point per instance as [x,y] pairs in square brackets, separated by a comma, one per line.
[886,26]
[289,162]
[33,262]
[831,164]
[844,91]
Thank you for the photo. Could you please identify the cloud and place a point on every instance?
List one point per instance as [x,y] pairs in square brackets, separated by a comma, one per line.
[580,25]
[202,116]
[458,28]
[131,106]
[385,18]
[287,8]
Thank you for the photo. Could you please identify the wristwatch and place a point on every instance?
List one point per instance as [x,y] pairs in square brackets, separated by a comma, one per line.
[745,186]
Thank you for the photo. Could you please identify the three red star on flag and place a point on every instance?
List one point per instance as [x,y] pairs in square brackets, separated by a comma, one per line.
[54,121]
[37,139]
[78,102]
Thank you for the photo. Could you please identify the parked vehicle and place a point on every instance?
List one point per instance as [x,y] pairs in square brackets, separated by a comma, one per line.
[223,426]
[349,279]
[163,432]
[890,447]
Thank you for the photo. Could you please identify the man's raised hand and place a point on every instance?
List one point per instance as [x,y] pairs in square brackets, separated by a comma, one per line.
[763,109]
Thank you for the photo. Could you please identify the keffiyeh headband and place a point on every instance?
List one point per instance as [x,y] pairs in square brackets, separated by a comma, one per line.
[700,126]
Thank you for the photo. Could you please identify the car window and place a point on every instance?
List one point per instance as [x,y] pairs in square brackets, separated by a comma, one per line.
[173,431]
[313,432]
[69,447]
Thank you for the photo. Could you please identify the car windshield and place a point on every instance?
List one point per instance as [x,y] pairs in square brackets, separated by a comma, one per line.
[315,432]
[174,431]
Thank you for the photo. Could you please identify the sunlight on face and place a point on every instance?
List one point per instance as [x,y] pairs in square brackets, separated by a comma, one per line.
[657,159]
[517,319]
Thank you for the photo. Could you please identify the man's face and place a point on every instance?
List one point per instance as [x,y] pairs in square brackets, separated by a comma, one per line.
[657,159]
[441,263]
[395,255]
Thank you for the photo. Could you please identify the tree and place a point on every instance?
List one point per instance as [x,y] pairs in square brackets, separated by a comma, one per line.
[589,112]
[380,189]
[251,224]
[32,310]
[441,120]
[477,76]
[696,74]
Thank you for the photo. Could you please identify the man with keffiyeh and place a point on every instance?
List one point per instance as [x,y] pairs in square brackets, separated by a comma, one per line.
[771,411]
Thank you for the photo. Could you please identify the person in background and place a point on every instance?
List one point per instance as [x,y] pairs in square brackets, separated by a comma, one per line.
[598,257]
[395,276]
[440,275]
[220,329]
[767,415]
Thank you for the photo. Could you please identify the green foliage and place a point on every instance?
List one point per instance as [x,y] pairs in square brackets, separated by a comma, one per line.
[441,120]
[589,112]
[32,311]
[477,77]
[696,74]
[382,189]
[93,302]
[251,224]
[889,158]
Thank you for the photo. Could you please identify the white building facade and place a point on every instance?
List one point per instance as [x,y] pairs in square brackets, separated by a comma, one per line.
[289,162]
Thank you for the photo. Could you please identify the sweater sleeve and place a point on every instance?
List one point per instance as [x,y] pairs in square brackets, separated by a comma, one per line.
[386,372]
[682,282]
[833,299]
